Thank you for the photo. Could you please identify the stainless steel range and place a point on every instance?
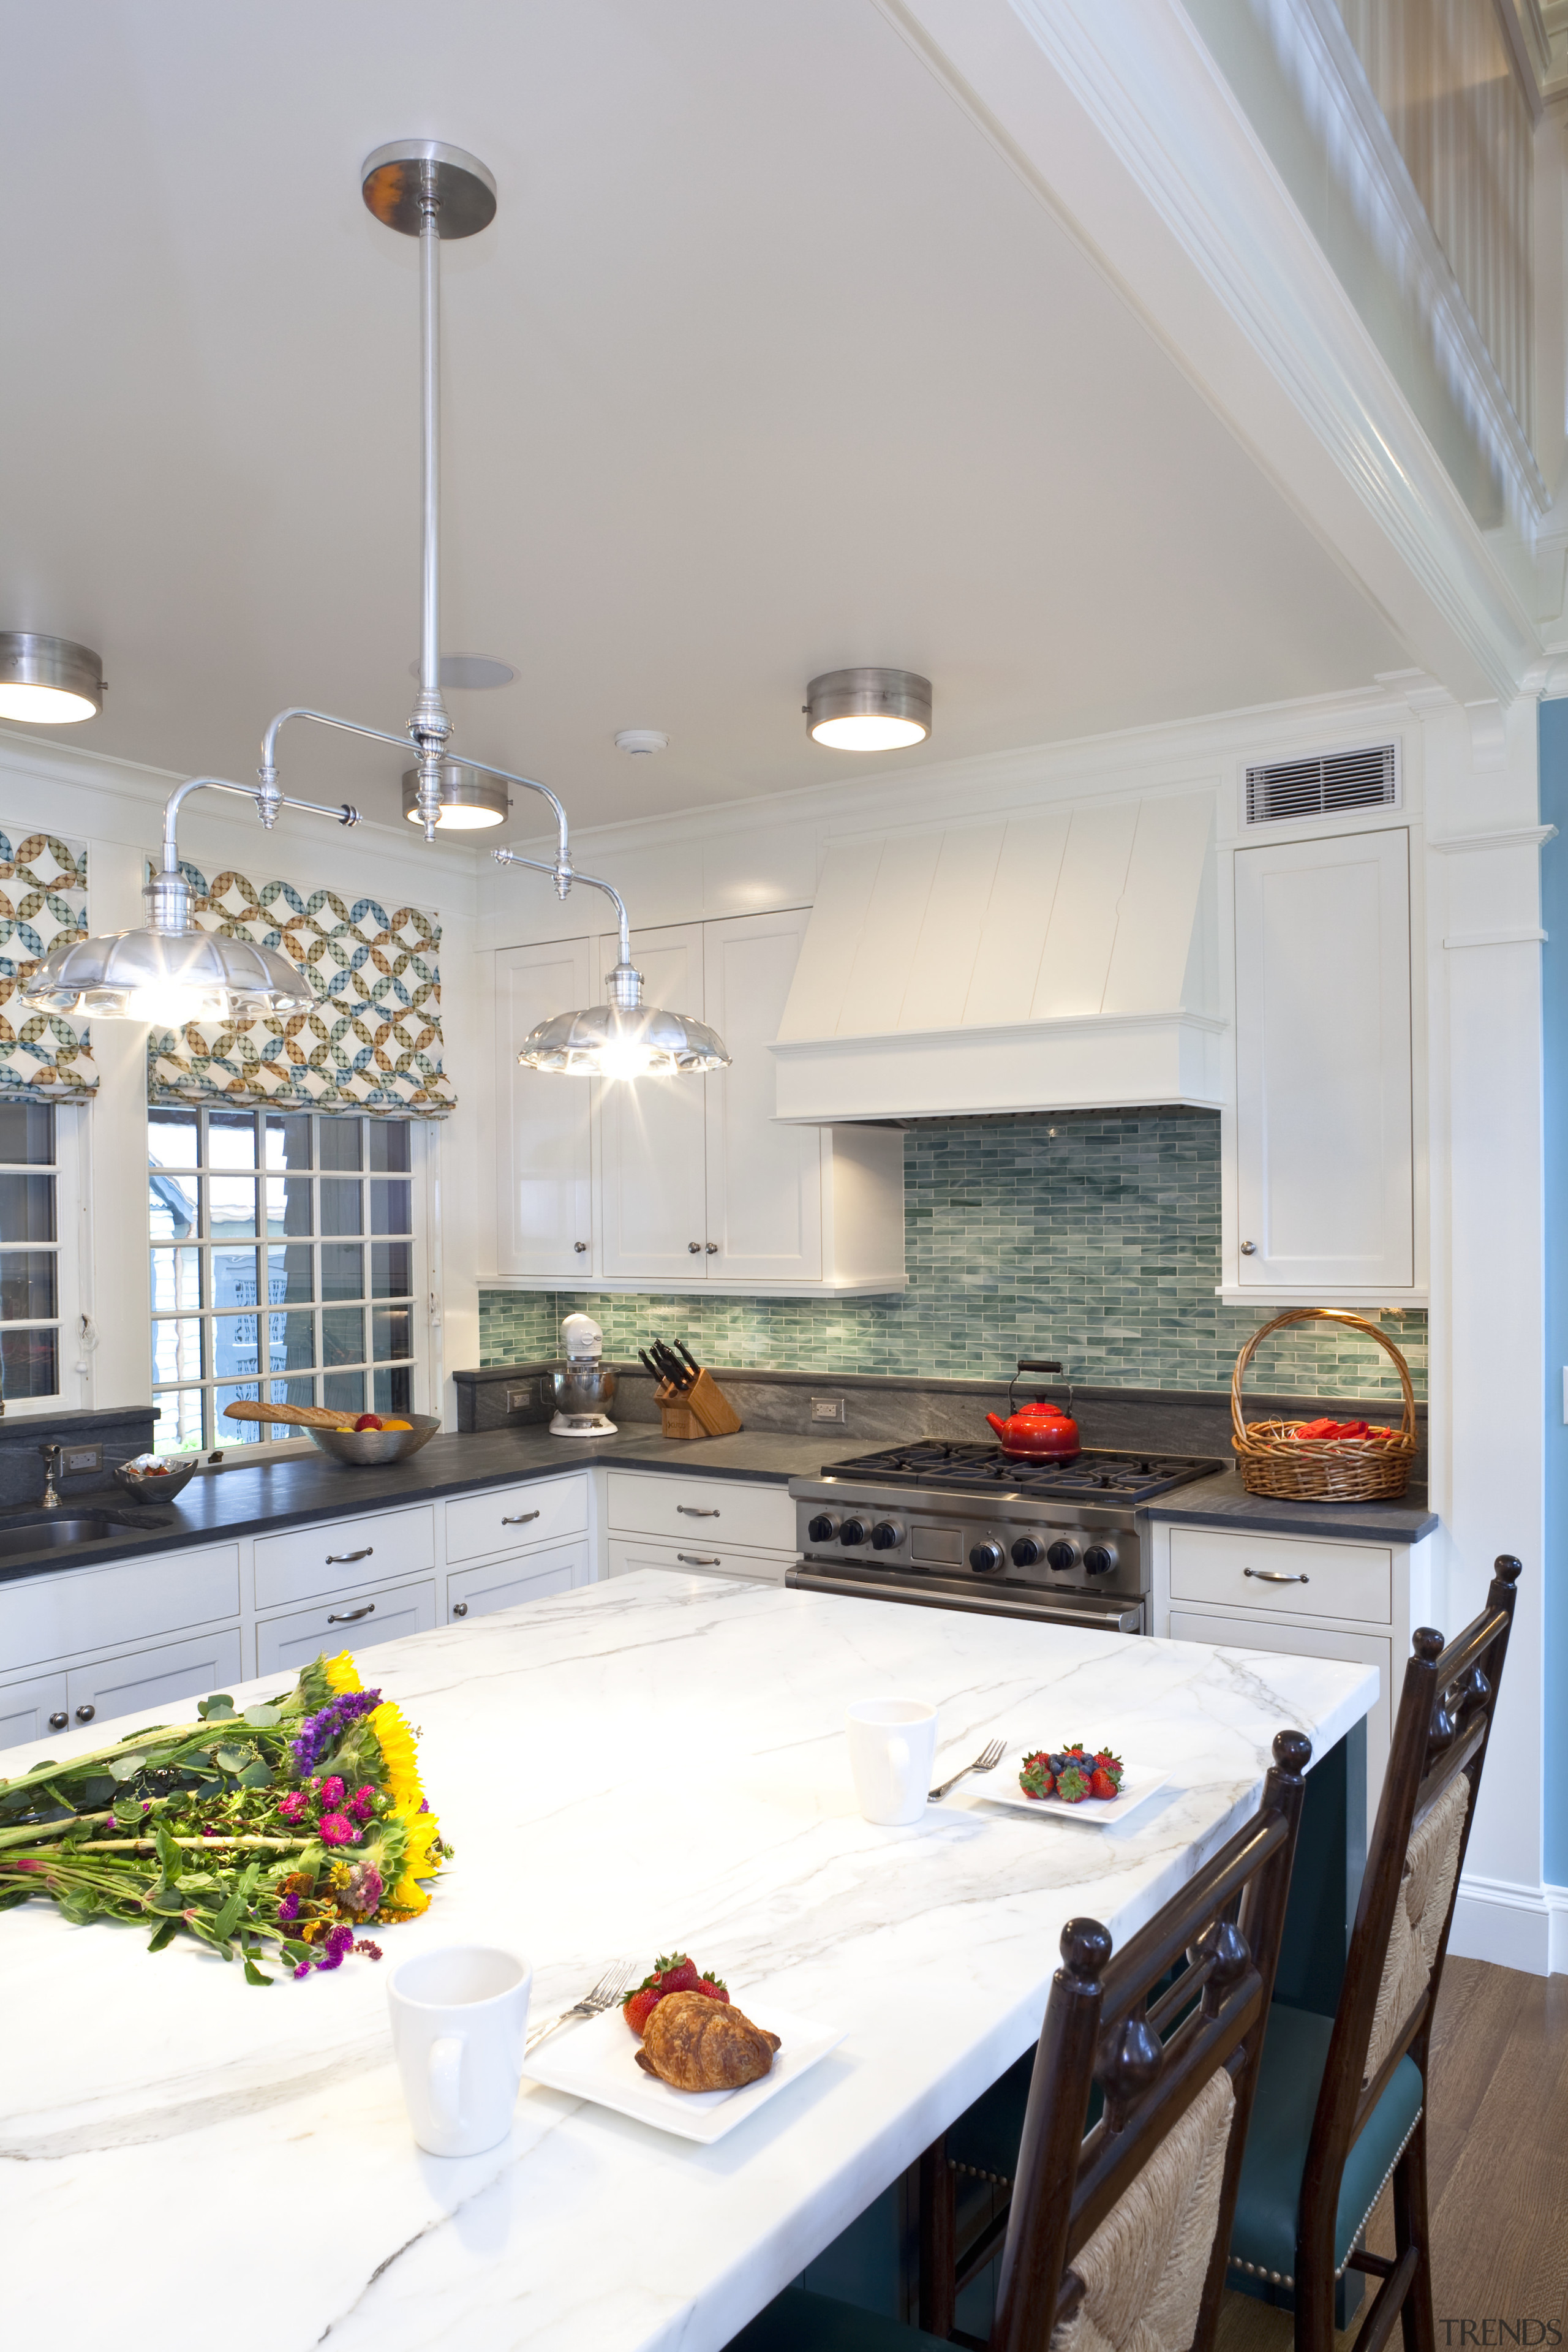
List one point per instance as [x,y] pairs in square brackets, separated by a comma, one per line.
[956,1525]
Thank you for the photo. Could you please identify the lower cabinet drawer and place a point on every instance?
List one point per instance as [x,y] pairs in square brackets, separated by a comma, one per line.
[695,1558]
[356,1622]
[1308,1642]
[1288,1573]
[171,1673]
[312,1560]
[758,1518]
[86,1608]
[504,1517]
[506,1583]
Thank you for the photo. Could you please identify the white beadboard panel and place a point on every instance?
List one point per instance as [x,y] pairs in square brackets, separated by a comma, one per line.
[838,916]
[894,918]
[1016,921]
[1154,921]
[1077,958]
[955,924]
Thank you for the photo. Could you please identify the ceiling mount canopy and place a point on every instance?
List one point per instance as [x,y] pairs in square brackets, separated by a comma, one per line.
[49,681]
[869,710]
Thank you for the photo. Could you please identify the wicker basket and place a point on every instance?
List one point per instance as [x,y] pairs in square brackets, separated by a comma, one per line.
[1273,1460]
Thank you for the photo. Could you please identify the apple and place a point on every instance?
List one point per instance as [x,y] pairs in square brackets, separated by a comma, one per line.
[368,1421]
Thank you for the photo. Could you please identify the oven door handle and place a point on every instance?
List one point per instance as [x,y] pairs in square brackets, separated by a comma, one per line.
[1121,1618]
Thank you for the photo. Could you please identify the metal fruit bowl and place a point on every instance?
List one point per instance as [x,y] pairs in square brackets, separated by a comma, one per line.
[134,1477]
[366,1447]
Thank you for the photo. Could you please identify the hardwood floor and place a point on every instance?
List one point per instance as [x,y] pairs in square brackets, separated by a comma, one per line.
[1498,2170]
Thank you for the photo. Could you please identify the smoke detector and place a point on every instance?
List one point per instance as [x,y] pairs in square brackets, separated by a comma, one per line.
[640,741]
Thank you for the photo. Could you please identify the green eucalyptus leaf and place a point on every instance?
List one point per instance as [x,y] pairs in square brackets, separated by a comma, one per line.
[217,1707]
[256,1774]
[263,1717]
[125,1767]
[233,1760]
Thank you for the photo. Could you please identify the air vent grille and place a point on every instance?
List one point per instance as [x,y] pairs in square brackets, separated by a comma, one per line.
[1317,787]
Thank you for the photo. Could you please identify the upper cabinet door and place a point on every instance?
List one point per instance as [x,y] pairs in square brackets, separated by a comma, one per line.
[1324,1163]
[652,1189]
[544,1221]
[764,1179]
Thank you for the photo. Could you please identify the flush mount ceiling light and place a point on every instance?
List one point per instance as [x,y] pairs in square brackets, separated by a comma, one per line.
[49,681]
[470,798]
[166,970]
[869,710]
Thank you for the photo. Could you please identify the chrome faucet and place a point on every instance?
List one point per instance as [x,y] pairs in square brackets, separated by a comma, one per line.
[51,1455]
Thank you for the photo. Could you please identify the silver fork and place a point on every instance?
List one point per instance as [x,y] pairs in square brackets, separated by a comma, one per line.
[604,1995]
[990,1756]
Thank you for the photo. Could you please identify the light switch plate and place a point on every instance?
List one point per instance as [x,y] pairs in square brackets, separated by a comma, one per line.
[828,1409]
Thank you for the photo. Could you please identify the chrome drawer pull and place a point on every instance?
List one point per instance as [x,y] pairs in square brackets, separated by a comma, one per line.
[700,1559]
[351,1616]
[344,1559]
[690,1511]
[1275,1576]
[522,1519]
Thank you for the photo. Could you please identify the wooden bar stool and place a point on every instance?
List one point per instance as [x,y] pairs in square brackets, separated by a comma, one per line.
[1122,2230]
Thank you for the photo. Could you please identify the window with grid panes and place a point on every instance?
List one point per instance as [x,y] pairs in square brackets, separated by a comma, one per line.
[30,1284]
[283,1261]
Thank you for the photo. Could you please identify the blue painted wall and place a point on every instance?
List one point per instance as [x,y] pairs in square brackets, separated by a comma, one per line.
[1554,971]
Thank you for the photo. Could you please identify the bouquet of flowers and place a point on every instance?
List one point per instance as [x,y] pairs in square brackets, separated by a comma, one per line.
[299,1825]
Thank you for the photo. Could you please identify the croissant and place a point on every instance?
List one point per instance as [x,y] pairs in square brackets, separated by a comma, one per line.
[695,2043]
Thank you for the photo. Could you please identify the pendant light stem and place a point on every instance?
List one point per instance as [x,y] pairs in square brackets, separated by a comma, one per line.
[268,769]
[430,726]
[626,984]
[168,895]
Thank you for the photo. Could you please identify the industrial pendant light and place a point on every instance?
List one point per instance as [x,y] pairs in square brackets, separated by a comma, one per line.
[167,971]
[49,681]
[868,710]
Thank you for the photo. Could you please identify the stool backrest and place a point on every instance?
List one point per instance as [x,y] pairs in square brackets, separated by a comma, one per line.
[1128,2226]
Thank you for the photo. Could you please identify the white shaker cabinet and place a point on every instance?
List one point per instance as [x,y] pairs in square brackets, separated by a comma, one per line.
[1324,1158]
[544,1204]
[652,1180]
[764,1179]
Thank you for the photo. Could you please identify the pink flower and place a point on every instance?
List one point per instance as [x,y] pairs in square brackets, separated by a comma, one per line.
[290,1807]
[364,1803]
[330,1795]
[335,1830]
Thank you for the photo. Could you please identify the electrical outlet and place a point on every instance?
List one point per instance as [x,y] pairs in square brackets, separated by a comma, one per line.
[521,1400]
[75,1459]
[828,1409]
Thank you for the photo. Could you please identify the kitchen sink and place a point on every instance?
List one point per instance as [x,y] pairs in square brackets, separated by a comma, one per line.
[49,1530]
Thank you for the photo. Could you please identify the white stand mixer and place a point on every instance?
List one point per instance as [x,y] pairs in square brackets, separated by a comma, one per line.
[583,1391]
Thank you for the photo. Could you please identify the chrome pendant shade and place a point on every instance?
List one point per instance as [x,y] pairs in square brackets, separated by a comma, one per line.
[608,1043]
[47,682]
[168,978]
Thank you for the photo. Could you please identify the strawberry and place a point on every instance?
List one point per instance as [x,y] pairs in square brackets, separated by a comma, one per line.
[677,1973]
[714,1989]
[1073,1786]
[639,2006]
[1102,1784]
[672,1972]
[1038,1776]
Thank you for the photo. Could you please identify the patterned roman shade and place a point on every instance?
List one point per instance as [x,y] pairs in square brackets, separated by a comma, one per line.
[43,900]
[373,1042]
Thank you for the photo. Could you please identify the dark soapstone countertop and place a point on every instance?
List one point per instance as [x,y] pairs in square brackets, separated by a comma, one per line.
[1223,1502]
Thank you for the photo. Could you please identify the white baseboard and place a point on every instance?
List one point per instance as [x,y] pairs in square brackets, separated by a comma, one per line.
[1513,1926]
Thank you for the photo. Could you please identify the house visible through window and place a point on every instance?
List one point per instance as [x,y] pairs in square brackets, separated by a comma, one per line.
[283,1254]
[31,1286]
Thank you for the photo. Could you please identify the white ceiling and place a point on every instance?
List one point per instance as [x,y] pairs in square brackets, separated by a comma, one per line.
[768,364]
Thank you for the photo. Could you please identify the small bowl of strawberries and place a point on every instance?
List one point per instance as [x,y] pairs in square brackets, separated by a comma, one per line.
[1073,1774]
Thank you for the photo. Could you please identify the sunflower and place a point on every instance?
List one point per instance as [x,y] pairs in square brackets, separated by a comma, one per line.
[423,1859]
[397,1744]
[342,1673]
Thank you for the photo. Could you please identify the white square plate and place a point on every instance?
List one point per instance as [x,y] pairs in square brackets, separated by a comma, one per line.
[597,2059]
[1139,1782]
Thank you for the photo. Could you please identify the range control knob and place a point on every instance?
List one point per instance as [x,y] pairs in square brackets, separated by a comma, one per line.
[1028,1553]
[853,1531]
[822,1530]
[1062,1555]
[887,1535]
[1099,1558]
[986,1558]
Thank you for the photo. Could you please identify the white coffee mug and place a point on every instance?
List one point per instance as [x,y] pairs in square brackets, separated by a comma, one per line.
[459,2018]
[892,1744]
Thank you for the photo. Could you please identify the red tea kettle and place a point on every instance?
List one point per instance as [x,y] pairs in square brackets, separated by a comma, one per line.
[1039,1431]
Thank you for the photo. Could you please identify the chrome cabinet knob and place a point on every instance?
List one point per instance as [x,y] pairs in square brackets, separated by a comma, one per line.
[713,1248]
[58,1722]
[459,1608]
[1249,1249]
[580,1247]
[695,1248]
[85,1714]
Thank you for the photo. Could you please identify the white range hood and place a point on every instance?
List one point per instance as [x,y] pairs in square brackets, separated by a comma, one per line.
[1056,961]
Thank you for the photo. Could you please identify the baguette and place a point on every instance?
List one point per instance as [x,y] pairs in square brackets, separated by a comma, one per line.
[307,1416]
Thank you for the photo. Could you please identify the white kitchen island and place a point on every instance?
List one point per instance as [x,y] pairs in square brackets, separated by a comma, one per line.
[649,1764]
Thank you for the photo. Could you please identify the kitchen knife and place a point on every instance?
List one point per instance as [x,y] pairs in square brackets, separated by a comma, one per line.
[649,1365]
[695,1367]
[671,1365]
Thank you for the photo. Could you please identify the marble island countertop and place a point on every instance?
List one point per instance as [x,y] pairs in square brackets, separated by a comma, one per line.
[647,1763]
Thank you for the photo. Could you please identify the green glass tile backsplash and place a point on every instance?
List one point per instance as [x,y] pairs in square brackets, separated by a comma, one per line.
[1096,1240]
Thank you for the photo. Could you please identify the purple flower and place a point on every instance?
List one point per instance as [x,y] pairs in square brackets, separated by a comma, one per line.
[323,1731]
[339,1941]
[289,1907]
[302,1970]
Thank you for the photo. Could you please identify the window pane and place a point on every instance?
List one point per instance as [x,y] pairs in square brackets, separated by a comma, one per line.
[176,1281]
[288,1205]
[343,1270]
[343,1392]
[288,1141]
[30,1363]
[235,1347]
[341,1211]
[26,1285]
[231,1206]
[393,1390]
[174,1205]
[292,1346]
[233,1278]
[177,1349]
[389,1145]
[342,1336]
[28,1135]
[231,1138]
[179,1421]
[236,1433]
[289,1279]
[295,1393]
[392,1208]
[392,1270]
[173,1138]
[392,1329]
[339,1143]
[28,1211]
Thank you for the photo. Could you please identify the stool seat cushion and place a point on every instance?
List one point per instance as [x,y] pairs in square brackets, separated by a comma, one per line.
[1294,2050]
[798,2321]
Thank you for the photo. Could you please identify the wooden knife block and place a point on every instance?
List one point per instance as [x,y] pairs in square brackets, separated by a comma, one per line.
[703,1411]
